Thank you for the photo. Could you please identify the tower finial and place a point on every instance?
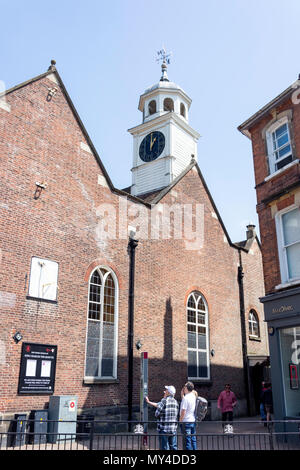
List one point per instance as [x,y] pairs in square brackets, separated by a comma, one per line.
[165,58]
[52,66]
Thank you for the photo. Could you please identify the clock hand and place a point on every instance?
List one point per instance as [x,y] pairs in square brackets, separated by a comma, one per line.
[152,142]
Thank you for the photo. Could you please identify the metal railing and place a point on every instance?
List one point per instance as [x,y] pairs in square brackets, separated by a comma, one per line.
[93,434]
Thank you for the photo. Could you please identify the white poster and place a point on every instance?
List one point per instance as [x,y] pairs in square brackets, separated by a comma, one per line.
[31,368]
[43,279]
[46,369]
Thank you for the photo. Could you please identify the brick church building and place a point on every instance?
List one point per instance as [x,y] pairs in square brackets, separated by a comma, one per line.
[64,270]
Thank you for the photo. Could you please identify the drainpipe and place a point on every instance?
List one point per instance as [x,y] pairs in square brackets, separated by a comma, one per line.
[243,330]
[131,250]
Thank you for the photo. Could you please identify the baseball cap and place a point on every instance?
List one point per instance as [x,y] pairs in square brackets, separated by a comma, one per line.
[171,389]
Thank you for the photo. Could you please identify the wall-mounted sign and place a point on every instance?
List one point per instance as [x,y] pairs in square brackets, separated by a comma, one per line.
[294,380]
[43,279]
[37,369]
[283,309]
[280,305]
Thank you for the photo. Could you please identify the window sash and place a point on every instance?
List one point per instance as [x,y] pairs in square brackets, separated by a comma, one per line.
[289,249]
[253,326]
[105,340]
[198,356]
[279,149]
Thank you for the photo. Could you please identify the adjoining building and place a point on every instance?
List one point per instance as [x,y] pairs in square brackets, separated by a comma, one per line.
[65,264]
[275,136]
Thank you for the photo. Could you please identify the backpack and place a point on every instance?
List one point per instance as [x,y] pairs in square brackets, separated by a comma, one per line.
[201,408]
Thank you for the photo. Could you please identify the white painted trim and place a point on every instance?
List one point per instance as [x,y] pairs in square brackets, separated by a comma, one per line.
[207,335]
[152,162]
[280,244]
[269,131]
[287,284]
[4,104]
[53,78]
[276,173]
[102,181]
[85,147]
[116,326]
[161,120]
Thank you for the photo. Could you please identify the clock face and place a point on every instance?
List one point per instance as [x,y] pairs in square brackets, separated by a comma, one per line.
[152,146]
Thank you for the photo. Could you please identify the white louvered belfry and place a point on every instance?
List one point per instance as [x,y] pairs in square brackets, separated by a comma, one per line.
[164,144]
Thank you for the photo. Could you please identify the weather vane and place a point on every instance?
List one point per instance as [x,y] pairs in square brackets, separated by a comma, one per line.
[165,58]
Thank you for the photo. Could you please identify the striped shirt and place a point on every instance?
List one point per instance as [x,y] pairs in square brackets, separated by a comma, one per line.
[167,414]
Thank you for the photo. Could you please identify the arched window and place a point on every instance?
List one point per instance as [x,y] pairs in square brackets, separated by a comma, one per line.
[152,107]
[253,324]
[197,332]
[101,343]
[182,110]
[168,104]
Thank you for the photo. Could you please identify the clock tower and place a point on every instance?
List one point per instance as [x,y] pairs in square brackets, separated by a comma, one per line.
[164,144]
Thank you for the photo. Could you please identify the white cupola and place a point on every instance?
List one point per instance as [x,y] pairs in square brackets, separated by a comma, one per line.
[164,144]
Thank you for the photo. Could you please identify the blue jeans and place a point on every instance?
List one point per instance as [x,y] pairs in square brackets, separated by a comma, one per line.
[189,431]
[167,441]
[262,412]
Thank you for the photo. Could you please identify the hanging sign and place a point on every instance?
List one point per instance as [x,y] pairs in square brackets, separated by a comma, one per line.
[37,369]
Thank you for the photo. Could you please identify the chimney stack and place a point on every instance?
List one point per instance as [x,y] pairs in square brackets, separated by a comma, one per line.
[251,233]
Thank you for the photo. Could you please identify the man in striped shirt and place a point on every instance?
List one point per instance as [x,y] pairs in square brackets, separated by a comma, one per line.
[167,415]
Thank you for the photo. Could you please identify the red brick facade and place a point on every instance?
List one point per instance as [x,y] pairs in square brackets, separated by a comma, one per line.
[275,134]
[40,141]
[274,192]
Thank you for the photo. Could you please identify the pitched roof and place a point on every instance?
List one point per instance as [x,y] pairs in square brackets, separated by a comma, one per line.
[246,244]
[244,127]
[155,197]
[52,70]
[148,199]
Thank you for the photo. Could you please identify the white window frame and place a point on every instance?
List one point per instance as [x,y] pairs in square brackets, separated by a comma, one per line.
[284,271]
[253,319]
[270,149]
[207,333]
[116,314]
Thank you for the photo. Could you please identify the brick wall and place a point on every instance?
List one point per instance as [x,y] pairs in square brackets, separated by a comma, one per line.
[41,141]
[278,188]
[254,289]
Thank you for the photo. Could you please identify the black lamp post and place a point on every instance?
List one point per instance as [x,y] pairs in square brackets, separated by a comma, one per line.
[132,244]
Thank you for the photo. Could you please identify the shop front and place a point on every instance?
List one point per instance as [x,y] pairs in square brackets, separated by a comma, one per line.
[282,313]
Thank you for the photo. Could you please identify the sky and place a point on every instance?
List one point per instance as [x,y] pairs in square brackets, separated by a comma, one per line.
[231,57]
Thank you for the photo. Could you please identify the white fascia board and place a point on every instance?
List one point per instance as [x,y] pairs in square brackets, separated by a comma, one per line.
[153,162]
[148,125]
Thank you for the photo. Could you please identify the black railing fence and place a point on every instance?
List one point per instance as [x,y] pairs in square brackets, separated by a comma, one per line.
[93,434]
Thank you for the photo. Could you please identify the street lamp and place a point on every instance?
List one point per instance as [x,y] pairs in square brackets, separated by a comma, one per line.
[132,244]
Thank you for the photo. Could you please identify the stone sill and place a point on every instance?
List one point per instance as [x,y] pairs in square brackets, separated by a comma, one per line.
[287,284]
[278,172]
[91,381]
[201,382]
[254,338]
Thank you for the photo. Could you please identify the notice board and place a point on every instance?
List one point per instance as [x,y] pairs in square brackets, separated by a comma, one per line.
[37,369]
